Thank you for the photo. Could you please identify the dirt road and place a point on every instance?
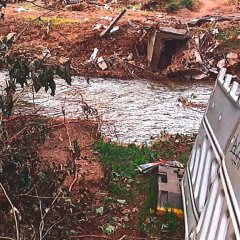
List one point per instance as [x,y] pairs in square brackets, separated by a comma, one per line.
[210,7]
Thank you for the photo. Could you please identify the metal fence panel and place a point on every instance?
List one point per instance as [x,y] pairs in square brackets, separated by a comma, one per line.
[210,185]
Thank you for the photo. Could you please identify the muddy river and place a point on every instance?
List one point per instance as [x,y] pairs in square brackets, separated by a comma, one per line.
[132,111]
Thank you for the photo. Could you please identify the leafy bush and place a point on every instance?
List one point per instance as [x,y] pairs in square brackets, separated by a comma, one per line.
[176,5]
[173,7]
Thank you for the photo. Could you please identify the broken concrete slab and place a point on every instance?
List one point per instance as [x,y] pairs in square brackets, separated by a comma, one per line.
[173,33]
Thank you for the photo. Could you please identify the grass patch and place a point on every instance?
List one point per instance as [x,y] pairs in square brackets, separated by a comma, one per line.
[228,33]
[176,5]
[141,191]
[56,20]
[124,160]
[121,163]
[119,190]
[148,222]
[172,221]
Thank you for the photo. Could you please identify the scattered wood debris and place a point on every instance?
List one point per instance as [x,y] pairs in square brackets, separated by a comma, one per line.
[113,23]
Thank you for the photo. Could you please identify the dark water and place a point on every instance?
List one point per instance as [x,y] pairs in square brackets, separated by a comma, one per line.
[131,110]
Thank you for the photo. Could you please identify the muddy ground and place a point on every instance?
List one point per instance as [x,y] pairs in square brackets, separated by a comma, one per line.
[75,34]
[56,165]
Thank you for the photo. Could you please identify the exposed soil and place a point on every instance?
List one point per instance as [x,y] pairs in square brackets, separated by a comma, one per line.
[57,151]
[209,7]
[53,158]
[72,35]
[77,40]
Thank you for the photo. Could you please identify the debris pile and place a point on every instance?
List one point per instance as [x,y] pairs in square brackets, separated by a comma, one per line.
[201,57]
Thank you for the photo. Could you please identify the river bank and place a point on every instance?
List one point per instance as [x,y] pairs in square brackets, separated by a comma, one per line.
[66,168]
[73,35]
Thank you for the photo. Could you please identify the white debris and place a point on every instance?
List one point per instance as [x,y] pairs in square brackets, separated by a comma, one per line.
[232,58]
[215,31]
[196,39]
[10,36]
[130,57]
[199,76]
[106,18]
[114,29]
[107,7]
[21,9]
[101,63]
[198,57]
[94,55]
[46,53]
[99,26]
[221,63]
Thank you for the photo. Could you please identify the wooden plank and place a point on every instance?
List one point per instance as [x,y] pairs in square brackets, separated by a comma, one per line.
[174,31]
[113,23]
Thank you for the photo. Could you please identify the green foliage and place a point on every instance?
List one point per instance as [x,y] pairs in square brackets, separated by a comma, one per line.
[176,5]
[35,188]
[183,158]
[149,224]
[24,70]
[108,229]
[119,190]
[123,161]
[173,6]
[172,221]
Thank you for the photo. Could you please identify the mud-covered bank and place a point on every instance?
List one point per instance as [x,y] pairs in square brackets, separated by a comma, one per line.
[75,35]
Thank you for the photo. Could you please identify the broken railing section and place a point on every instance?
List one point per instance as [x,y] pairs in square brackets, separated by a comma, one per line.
[210,186]
[163,44]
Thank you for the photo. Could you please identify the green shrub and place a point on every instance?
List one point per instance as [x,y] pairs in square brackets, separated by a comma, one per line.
[176,5]
[173,7]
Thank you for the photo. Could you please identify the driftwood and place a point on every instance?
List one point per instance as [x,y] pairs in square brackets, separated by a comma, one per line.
[112,24]
[200,21]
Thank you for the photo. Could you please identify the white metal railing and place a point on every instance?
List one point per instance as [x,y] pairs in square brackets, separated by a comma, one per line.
[210,185]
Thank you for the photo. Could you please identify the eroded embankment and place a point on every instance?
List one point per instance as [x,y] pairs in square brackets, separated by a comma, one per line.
[75,35]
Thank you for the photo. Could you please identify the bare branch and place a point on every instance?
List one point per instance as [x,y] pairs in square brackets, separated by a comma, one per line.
[14,209]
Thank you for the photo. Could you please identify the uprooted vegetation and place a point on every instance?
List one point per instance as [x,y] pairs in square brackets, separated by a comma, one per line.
[37,200]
